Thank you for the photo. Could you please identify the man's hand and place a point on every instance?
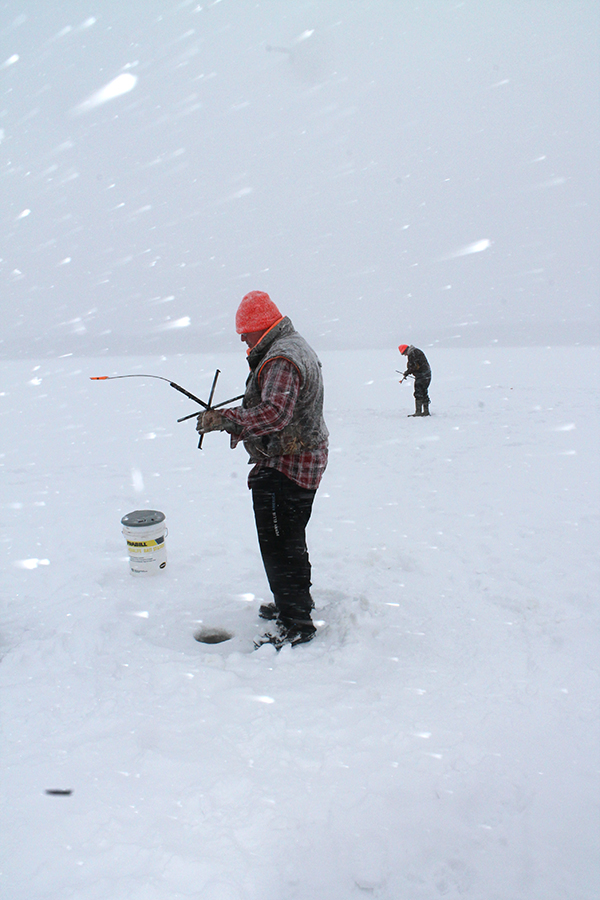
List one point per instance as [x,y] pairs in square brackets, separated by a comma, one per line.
[211,420]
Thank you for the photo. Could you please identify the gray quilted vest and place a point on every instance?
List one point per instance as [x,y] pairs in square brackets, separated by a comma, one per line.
[307,429]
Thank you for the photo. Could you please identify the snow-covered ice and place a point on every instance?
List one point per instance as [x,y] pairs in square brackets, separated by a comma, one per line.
[438,739]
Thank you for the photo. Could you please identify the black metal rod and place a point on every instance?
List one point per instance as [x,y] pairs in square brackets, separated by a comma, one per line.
[225,402]
[210,398]
[216,406]
[212,390]
[187,394]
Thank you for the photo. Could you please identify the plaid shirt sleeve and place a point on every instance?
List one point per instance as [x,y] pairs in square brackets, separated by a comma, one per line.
[279,389]
[280,386]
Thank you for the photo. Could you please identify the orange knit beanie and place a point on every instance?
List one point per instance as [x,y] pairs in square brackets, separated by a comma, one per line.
[256,312]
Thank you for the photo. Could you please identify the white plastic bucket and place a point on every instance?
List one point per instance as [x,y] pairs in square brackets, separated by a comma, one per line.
[145,531]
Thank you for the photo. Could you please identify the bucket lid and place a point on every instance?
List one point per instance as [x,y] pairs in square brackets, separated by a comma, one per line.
[142,517]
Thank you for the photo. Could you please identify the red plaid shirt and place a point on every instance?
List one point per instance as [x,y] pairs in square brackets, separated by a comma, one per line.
[279,389]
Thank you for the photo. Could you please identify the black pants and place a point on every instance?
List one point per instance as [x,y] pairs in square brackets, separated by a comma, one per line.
[422,383]
[282,509]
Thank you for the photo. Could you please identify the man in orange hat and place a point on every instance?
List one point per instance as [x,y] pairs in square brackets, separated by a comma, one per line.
[418,366]
[281,425]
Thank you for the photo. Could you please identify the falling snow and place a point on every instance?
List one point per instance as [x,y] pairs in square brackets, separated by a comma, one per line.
[421,173]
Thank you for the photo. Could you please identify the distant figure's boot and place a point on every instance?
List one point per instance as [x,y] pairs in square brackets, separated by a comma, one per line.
[418,409]
[425,408]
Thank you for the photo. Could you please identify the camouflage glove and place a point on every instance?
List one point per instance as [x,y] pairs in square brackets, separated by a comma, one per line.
[211,420]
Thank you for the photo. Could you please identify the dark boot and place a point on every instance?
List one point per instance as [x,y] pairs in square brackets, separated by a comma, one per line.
[425,408]
[418,409]
[291,631]
[268,611]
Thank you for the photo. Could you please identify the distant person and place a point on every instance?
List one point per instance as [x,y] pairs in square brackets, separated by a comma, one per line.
[281,424]
[419,367]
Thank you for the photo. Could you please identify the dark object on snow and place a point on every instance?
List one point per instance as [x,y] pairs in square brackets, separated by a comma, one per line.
[292,634]
[268,611]
[212,636]
[56,792]
[418,366]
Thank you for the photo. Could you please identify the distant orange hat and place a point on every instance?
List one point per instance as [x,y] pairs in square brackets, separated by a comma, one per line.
[256,312]
[403,348]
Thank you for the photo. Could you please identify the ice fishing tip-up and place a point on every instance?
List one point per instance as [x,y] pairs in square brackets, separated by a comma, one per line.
[181,390]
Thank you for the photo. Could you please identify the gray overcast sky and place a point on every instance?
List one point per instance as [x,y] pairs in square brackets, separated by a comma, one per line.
[387,170]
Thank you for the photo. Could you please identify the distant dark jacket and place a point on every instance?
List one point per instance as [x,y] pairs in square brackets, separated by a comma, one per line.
[417,362]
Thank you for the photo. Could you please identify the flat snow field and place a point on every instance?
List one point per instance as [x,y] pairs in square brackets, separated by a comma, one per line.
[439,738]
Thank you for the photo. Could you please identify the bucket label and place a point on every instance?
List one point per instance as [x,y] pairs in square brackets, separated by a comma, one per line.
[155,543]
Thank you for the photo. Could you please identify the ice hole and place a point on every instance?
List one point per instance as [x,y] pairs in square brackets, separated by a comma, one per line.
[213,635]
